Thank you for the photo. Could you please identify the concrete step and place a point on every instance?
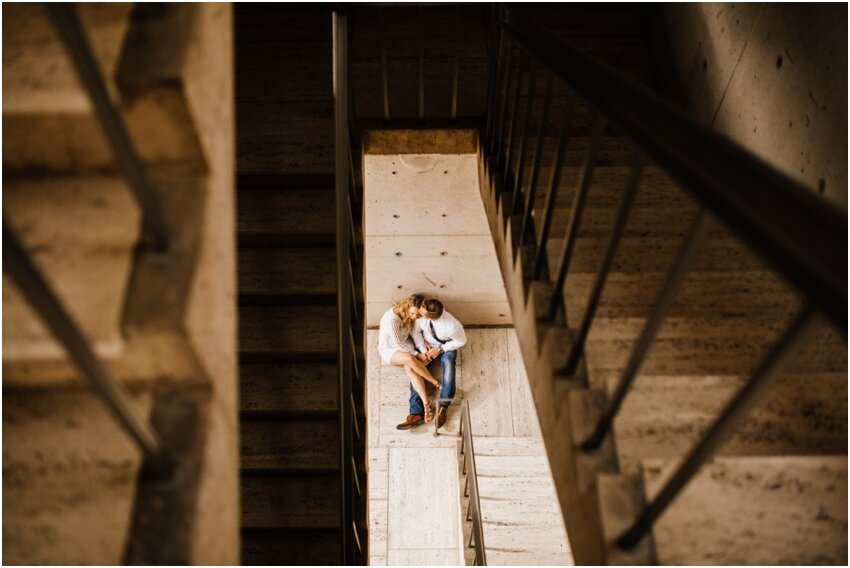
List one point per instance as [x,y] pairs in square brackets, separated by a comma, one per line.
[519,506]
[293,333]
[149,87]
[755,510]
[308,501]
[287,275]
[290,547]
[508,447]
[650,253]
[802,414]
[40,76]
[713,346]
[275,217]
[289,388]
[751,293]
[288,445]
[69,478]
[80,232]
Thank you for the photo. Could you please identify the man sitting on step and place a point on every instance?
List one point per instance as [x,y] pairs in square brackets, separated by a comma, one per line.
[438,334]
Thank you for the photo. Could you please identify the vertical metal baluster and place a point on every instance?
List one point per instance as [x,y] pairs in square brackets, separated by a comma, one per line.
[523,140]
[458,46]
[684,260]
[792,339]
[421,63]
[577,346]
[554,180]
[492,81]
[503,113]
[345,350]
[585,179]
[384,64]
[498,96]
[535,165]
[509,148]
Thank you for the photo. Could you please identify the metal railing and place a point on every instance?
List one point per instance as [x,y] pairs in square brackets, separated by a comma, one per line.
[799,235]
[34,286]
[352,375]
[452,20]
[470,488]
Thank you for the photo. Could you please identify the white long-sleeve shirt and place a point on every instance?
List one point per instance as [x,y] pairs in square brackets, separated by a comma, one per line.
[393,335]
[447,328]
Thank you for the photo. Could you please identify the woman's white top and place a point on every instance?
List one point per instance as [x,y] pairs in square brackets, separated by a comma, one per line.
[393,336]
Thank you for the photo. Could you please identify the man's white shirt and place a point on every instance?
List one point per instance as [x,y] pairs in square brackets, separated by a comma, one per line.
[447,328]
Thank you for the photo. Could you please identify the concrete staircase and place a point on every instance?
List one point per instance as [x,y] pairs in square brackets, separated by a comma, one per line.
[289,408]
[731,309]
[523,525]
[288,376]
[71,474]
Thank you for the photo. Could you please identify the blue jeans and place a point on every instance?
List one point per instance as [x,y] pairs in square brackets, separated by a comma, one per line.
[447,360]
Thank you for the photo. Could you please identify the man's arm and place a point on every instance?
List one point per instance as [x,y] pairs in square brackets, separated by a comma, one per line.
[457,340]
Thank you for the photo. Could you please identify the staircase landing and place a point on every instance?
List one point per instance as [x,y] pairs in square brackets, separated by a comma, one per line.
[415,517]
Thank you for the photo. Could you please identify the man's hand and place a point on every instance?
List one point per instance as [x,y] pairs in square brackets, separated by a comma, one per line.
[423,358]
[427,345]
[433,353]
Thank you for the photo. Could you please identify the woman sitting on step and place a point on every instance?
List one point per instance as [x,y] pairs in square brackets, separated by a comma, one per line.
[396,348]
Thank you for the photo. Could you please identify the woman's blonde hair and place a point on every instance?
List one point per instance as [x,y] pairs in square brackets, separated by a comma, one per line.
[402,309]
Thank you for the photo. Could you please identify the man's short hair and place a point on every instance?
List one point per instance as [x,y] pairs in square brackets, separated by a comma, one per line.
[416,300]
[434,308]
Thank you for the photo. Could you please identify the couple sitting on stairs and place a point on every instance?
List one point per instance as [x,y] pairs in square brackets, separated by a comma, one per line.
[414,332]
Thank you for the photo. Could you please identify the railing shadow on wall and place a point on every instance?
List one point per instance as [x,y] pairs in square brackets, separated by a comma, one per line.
[801,237]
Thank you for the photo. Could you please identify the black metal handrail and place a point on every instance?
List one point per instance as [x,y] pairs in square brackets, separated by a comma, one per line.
[351,376]
[47,305]
[470,489]
[67,23]
[802,237]
[798,233]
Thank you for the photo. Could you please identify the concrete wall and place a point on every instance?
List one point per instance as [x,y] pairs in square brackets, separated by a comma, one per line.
[72,492]
[773,77]
[426,230]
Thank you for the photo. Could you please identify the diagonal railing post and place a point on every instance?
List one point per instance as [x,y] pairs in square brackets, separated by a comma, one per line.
[65,20]
[681,266]
[47,305]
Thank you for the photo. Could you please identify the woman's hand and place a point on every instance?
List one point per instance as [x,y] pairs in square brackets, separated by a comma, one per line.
[433,353]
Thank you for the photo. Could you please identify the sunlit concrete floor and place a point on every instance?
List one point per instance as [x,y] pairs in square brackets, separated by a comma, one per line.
[414,493]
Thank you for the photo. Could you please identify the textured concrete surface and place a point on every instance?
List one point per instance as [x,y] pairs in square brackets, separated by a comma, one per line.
[523,524]
[174,311]
[426,232]
[523,521]
[773,77]
[38,74]
[69,478]
[54,221]
[751,510]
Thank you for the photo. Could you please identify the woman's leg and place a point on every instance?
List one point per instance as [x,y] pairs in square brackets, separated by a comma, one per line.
[418,374]
[418,384]
[407,359]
